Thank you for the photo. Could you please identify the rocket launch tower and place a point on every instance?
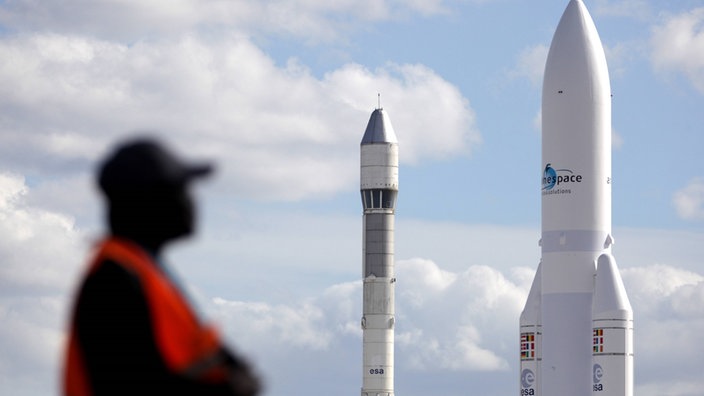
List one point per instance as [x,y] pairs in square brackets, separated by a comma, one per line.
[577,325]
[379,188]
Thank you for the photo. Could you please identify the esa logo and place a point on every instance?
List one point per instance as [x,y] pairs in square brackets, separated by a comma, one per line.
[598,374]
[555,177]
[527,381]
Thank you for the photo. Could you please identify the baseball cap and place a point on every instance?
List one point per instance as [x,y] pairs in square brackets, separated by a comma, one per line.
[143,164]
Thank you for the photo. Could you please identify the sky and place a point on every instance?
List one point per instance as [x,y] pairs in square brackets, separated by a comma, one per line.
[278,93]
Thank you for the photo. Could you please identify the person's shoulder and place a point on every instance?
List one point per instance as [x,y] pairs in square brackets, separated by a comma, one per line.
[113,270]
[111,277]
[110,289]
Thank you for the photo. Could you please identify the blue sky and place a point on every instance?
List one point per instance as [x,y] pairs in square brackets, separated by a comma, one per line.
[278,94]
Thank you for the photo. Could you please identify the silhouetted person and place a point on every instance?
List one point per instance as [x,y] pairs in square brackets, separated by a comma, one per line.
[133,332]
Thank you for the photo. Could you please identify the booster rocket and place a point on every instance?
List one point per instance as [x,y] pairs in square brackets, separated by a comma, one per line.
[576,330]
[379,188]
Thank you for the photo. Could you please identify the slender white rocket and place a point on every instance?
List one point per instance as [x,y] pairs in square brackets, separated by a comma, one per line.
[576,214]
[379,188]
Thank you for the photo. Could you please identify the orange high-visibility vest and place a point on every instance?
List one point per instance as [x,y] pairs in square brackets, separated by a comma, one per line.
[186,346]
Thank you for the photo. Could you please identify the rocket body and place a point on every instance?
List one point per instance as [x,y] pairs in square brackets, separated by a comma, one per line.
[379,188]
[576,215]
[576,198]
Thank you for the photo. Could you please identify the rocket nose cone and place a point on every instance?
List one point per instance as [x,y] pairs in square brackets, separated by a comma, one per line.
[576,37]
[576,79]
[575,18]
[531,311]
[379,129]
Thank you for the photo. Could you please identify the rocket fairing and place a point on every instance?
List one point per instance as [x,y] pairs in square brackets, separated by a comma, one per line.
[379,188]
[577,311]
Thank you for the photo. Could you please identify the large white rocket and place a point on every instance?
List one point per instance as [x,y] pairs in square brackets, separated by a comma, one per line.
[379,188]
[576,328]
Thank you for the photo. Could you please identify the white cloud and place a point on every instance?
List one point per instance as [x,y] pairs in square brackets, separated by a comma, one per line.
[429,278]
[669,388]
[654,284]
[668,319]
[531,64]
[678,46]
[639,9]
[620,56]
[314,20]
[689,201]
[280,132]
[298,326]
[107,69]
[455,321]
[40,253]
[446,322]
[430,116]
[23,228]
[456,314]
[538,122]
[465,322]
[688,301]
[616,139]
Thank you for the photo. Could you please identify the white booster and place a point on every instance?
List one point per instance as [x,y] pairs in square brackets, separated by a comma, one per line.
[531,339]
[612,332]
[379,188]
[576,223]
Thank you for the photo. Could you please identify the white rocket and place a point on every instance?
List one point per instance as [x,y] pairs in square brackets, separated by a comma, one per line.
[577,325]
[379,187]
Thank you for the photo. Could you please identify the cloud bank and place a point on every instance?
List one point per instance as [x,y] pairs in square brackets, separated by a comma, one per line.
[689,201]
[315,20]
[78,77]
[456,321]
[678,46]
[279,132]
